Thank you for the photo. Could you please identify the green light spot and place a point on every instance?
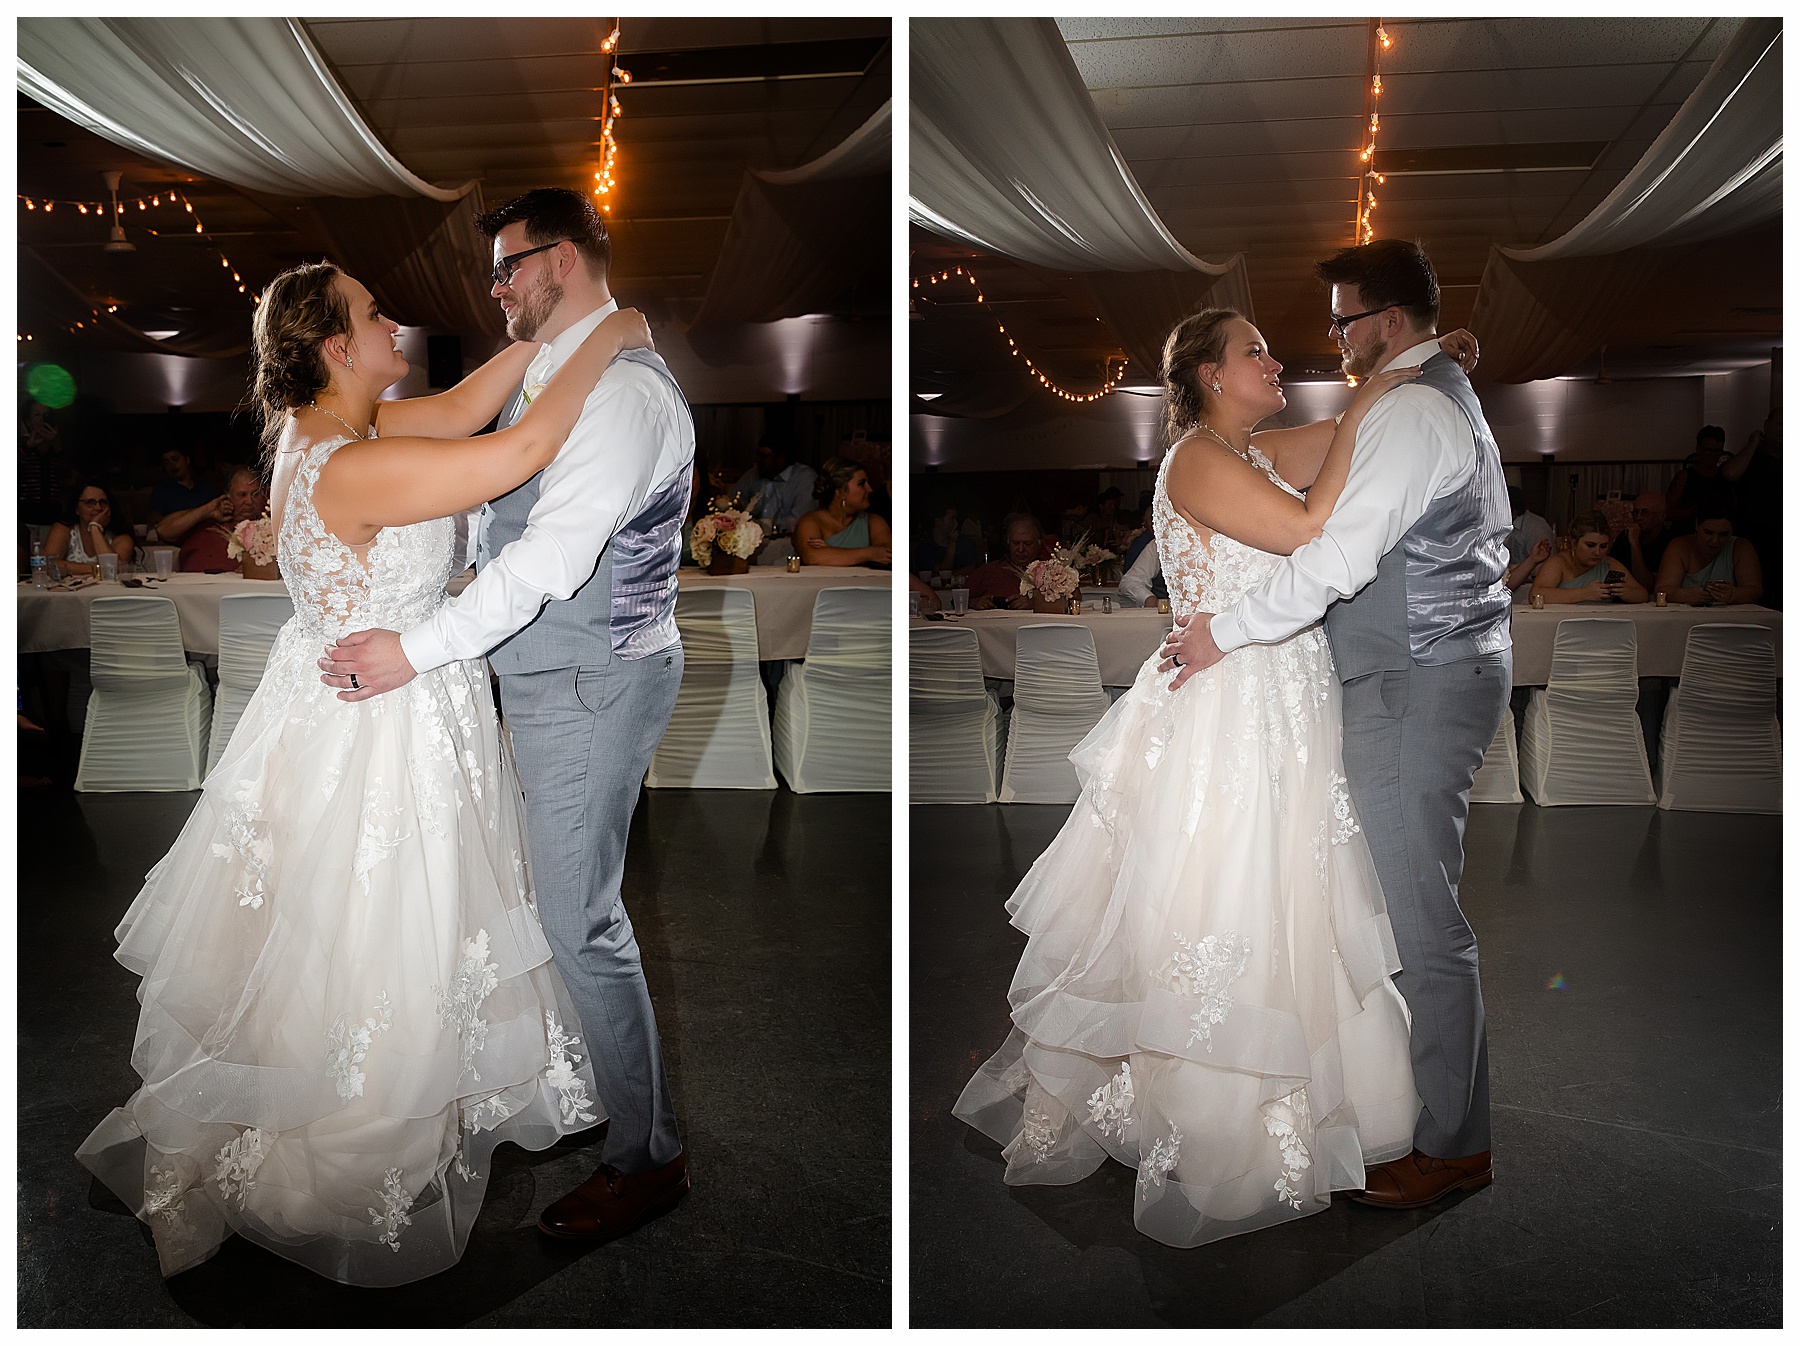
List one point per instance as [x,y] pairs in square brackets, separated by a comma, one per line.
[52,385]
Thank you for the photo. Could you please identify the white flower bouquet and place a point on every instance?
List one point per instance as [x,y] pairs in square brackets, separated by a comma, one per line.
[254,538]
[1052,581]
[729,529]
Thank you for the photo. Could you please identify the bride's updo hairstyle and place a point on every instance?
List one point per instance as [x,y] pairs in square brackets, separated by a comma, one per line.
[299,309]
[1198,339]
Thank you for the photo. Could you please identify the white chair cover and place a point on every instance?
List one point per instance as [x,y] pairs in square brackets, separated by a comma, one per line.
[718,737]
[148,718]
[955,723]
[1582,742]
[1497,782]
[833,714]
[1057,698]
[1721,741]
[248,624]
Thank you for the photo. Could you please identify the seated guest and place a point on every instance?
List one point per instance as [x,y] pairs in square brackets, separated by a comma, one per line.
[205,542]
[78,544]
[1142,583]
[843,531]
[180,493]
[996,584]
[1528,546]
[777,489]
[1699,476]
[1645,539]
[1710,565]
[948,548]
[928,596]
[1585,573]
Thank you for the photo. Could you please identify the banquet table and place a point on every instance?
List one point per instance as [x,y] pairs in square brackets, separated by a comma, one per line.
[1126,637]
[57,619]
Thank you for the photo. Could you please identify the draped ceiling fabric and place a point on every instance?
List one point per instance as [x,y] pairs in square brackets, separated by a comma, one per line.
[1009,155]
[250,101]
[812,239]
[246,101]
[1714,171]
[46,299]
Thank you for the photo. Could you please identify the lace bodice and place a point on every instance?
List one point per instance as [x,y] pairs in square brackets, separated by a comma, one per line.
[335,591]
[1202,575]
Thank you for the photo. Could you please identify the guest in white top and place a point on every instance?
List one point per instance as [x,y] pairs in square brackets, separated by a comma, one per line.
[78,544]
[1135,585]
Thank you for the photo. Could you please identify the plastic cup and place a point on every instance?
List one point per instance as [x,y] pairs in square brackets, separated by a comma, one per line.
[109,566]
[915,604]
[959,601]
[165,564]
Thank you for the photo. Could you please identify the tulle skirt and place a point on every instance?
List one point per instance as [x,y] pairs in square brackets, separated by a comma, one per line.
[1206,991]
[347,1000]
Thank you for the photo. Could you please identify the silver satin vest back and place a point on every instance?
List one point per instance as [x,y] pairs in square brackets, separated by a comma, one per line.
[1439,596]
[627,607]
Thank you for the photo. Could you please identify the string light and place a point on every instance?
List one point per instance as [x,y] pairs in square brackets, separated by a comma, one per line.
[919,282]
[1369,179]
[611,111]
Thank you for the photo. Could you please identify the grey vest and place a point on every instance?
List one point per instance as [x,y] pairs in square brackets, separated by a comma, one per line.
[627,606]
[1440,595]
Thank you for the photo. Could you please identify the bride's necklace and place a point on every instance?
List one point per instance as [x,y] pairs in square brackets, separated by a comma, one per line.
[1198,426]
[314,406]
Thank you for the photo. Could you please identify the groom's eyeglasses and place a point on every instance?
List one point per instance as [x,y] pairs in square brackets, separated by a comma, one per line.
[504,268]
[1339,324]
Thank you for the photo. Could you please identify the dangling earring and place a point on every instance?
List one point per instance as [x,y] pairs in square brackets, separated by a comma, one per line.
[350,364]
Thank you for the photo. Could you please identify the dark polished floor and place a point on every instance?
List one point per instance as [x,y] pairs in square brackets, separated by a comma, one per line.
[1631,965]
[764,919]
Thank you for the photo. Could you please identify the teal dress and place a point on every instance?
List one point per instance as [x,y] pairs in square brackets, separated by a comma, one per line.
[856,535]
[1720,569]
[1587,577]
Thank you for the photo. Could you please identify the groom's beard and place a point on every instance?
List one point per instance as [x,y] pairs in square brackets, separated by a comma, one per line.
[534,310]
[1359,364]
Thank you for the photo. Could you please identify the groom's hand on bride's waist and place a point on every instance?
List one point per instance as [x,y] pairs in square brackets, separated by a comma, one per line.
[365,664]
[1188,648]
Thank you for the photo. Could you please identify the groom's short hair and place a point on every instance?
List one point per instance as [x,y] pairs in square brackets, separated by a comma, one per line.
[1387,272]
[551,214]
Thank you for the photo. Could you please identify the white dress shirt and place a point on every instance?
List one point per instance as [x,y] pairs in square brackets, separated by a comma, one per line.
[632,439]
[1134,585]
[1414,446]
[782,498]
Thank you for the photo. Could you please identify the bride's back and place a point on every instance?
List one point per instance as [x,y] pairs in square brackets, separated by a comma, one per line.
[1206,570]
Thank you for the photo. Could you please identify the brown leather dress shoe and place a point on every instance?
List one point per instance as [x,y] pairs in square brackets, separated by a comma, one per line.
[1419,1179]
[612,1203]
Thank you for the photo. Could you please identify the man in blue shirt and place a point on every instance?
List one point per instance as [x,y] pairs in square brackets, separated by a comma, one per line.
[776,489]
[181,492]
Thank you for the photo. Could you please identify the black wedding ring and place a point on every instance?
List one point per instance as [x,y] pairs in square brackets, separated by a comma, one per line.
[354,684]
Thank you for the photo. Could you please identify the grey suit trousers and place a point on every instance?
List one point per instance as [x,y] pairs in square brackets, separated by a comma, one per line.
[1413,740]
[582,738]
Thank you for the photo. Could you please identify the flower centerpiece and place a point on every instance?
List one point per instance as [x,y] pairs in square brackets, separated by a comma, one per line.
[252,544]
[1050,584]
[725,538]
[1085,557]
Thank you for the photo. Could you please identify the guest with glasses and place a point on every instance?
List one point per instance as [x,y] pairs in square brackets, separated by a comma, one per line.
[77,543]
[1642,544]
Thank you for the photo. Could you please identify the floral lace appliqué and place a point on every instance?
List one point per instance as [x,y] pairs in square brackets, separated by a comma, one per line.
[560,1073]
[381,834]
[1109,1106]
[1285,1119]
[242,822]
[395,1203]
[1155,1166]
[347,1044]
[1207,970]
[1347,826]
[237,1163]
[1039,1133]
[459,1003]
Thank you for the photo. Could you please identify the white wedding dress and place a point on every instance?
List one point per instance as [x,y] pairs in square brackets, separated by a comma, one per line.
[347,998]
[1205,994]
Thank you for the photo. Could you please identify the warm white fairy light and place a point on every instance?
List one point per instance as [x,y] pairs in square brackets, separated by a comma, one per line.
[919,282]
[1370,179]
[173,198]
[611,111]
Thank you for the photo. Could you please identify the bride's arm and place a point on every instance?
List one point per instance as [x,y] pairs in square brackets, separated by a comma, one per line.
[1212,486]
[1297,453]
[464,409]
[380,483]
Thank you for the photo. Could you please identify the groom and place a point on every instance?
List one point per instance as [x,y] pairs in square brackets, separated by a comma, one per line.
[574,604]
[1409,576]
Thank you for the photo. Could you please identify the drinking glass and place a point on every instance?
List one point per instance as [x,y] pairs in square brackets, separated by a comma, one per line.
[165,564]
[109,566]
[959,601]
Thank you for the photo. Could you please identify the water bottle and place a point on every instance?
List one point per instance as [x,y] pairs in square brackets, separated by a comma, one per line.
[40,574]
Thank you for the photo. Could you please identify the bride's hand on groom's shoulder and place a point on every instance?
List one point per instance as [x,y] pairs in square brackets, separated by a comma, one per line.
[365,664]
[630,328]
[1462,347]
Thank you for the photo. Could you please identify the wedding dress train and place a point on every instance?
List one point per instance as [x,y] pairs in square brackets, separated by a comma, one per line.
[347,998]
[1206,992]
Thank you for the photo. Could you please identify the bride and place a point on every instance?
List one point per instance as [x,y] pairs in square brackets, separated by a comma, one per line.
[1206,990]
[347,999]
